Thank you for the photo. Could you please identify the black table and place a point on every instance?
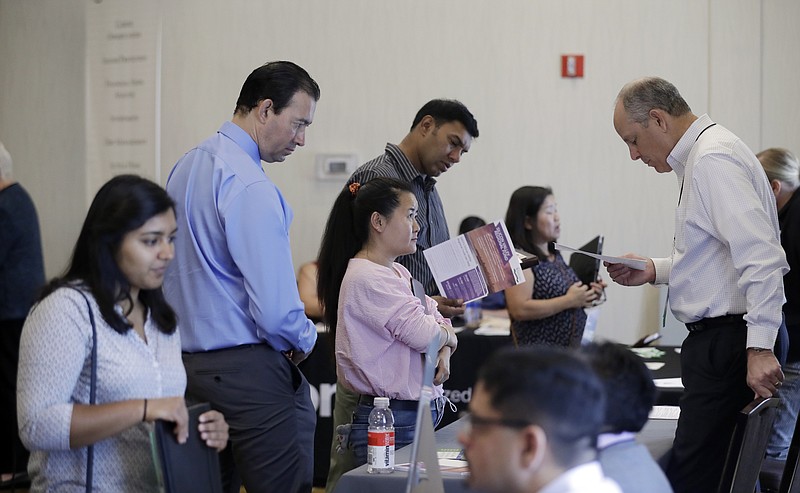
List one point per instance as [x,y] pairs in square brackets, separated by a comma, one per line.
[320,370]
[671,369]
[656,436]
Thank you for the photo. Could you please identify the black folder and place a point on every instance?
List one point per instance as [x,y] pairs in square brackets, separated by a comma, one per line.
[192,467]
[587,268]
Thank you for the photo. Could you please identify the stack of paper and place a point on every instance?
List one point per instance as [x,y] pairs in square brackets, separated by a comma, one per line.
[665,412]
[669,383]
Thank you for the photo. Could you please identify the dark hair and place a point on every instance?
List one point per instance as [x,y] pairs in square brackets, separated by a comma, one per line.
[122,205]
[469,223]
[640,96]
[525,202]
[630,391]
[346,232]
[278,81]
[446,111]
[551,388]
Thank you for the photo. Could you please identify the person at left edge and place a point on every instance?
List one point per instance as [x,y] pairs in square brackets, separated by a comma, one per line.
[243,328]
[21,277]
[117,266]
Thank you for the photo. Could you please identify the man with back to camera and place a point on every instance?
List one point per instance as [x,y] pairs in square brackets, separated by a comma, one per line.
[232,284]
[21,277]
[442,130]
[533,422]
[630,394]
[725,274]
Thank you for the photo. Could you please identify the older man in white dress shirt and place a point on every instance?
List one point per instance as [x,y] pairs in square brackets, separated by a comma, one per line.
[725,274]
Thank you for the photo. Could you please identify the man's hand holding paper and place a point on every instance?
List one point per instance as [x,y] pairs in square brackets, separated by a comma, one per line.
[624,274]
[632,261]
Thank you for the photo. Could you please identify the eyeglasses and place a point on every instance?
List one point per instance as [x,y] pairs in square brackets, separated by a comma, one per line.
[475,421]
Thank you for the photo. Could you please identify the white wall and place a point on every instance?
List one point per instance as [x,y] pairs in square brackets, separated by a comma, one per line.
[378,62]
[42,114]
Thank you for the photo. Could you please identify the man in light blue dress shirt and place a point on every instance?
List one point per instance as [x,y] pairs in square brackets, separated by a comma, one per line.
[233,286]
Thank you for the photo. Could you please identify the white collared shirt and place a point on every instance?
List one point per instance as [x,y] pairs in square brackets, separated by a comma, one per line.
[586,478]
[727,257]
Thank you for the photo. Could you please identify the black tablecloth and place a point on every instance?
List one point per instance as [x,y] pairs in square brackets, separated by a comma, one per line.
[320,371]
[671,369]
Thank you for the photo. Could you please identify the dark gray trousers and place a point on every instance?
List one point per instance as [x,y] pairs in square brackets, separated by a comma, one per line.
[266,401]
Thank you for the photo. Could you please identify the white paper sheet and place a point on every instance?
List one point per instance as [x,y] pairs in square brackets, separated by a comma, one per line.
[630,262]
[669,383]
[665,412]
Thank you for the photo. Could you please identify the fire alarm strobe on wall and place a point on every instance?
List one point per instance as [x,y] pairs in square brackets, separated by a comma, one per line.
[336,166]
[572,66]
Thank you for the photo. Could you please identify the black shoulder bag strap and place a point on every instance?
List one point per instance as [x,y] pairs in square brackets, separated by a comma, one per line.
[92,389]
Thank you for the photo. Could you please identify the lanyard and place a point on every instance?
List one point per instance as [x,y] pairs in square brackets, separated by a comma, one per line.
[684,172]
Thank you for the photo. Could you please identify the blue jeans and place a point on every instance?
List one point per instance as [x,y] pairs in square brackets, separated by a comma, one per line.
[404,423]
[786,417]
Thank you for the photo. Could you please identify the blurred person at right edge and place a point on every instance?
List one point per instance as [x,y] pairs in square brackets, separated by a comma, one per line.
[442,131]
[783,173]
[724,274]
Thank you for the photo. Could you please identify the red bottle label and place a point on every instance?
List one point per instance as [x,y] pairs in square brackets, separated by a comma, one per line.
[380,438]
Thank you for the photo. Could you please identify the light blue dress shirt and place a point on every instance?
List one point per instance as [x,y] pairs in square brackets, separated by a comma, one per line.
[232,281]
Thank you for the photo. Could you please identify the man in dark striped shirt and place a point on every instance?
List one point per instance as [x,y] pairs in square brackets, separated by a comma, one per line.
[441,132]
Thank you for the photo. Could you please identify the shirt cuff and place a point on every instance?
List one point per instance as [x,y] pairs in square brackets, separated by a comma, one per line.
[307,343]
[663,266]
[762,337]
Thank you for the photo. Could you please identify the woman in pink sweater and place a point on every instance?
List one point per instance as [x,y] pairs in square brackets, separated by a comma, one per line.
[381,328]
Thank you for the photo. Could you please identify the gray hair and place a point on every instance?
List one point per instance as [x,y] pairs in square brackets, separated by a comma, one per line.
[5,163]
[780,164]
[640,96]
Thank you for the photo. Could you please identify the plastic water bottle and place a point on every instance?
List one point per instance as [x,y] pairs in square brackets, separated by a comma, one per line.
[473,314]
[380,438]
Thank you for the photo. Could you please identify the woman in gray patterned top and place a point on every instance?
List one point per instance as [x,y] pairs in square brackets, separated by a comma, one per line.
[119,261]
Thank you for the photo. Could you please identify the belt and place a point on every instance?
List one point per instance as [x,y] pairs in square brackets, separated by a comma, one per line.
[395,404]
[230,348]
[714,322]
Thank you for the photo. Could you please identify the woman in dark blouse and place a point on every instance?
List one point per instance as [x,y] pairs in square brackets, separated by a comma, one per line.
[547,309]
